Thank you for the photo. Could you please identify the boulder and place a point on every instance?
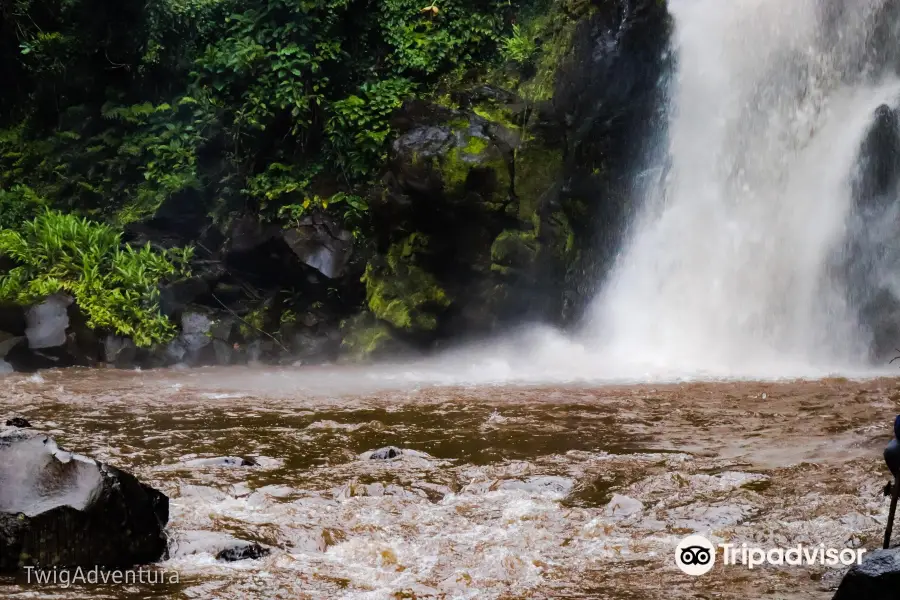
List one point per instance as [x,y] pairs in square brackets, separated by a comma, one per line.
[222,461]
[118,350]
[877,578]
[321,243]
[243,552]
[248,233]
[195,331]
[63,509]
[385,453]
[47,322]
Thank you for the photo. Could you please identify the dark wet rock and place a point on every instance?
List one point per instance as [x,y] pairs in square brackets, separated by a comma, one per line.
[869,255]
[321,243]
[221,545]
[119,351]
[17,422]
[877,578]
[248,552]
[8,342]
[24,359]
[247,233]
[385,453]
[310,346]
[47,322]
[176,296]
[62,509]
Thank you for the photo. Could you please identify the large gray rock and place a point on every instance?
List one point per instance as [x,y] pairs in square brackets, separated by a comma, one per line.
[118,350]
[877,578]
[195,331]
[63,509]
[47,322]
[320,242]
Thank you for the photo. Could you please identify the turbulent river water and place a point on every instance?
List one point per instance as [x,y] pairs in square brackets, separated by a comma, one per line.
[503,491]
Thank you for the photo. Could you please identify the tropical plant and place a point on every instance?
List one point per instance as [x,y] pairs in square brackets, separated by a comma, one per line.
[116,285]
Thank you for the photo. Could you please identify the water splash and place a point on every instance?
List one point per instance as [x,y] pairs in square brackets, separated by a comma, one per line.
[730,268]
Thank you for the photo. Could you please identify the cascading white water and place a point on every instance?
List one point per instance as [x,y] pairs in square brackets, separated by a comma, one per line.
[727,268]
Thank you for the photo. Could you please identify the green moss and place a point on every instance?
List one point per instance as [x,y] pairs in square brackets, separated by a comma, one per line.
[477,153]
[400,292]
[537,169]
[562,237]
[490,111]
[458,123]
[475,145]
[364,337]
[513,249]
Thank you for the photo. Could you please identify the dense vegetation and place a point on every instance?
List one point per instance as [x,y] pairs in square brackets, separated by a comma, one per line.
[114,114]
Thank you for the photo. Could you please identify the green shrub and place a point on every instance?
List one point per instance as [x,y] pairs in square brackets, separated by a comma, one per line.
[117,286]
[520,47]
[18,205]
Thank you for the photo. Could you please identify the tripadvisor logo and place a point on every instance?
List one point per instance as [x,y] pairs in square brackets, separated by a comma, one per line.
[696,555]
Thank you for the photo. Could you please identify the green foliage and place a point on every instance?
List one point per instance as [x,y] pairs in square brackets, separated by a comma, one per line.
[401,292]
[519,47]
[362,336]
[436,38]
[18,205]
[358,126]
[352,208]
[277,107]
[116,286]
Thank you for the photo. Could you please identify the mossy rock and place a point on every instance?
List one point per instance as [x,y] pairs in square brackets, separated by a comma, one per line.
[514,251]
[461,156]
[364,337]
[537,169]
[402,293]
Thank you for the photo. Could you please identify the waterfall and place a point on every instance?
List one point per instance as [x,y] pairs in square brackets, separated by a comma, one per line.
[737,262]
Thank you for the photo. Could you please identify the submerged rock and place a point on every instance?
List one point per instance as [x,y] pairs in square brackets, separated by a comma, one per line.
[248,552]
[63,509]
[17,422]
[385,453]
[877,578]
[222,461]
[222,546]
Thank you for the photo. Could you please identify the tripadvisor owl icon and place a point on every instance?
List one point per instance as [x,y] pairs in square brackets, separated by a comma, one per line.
[695,555]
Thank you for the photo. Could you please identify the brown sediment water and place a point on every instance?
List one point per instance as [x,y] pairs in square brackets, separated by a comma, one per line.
[502,491]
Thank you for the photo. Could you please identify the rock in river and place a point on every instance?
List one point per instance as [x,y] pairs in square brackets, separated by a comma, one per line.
[877,578]
[62,509]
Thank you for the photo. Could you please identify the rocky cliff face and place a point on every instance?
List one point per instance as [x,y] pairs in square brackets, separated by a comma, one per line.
[502,199]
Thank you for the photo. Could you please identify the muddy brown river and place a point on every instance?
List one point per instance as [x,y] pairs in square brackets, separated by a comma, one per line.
[502,491]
